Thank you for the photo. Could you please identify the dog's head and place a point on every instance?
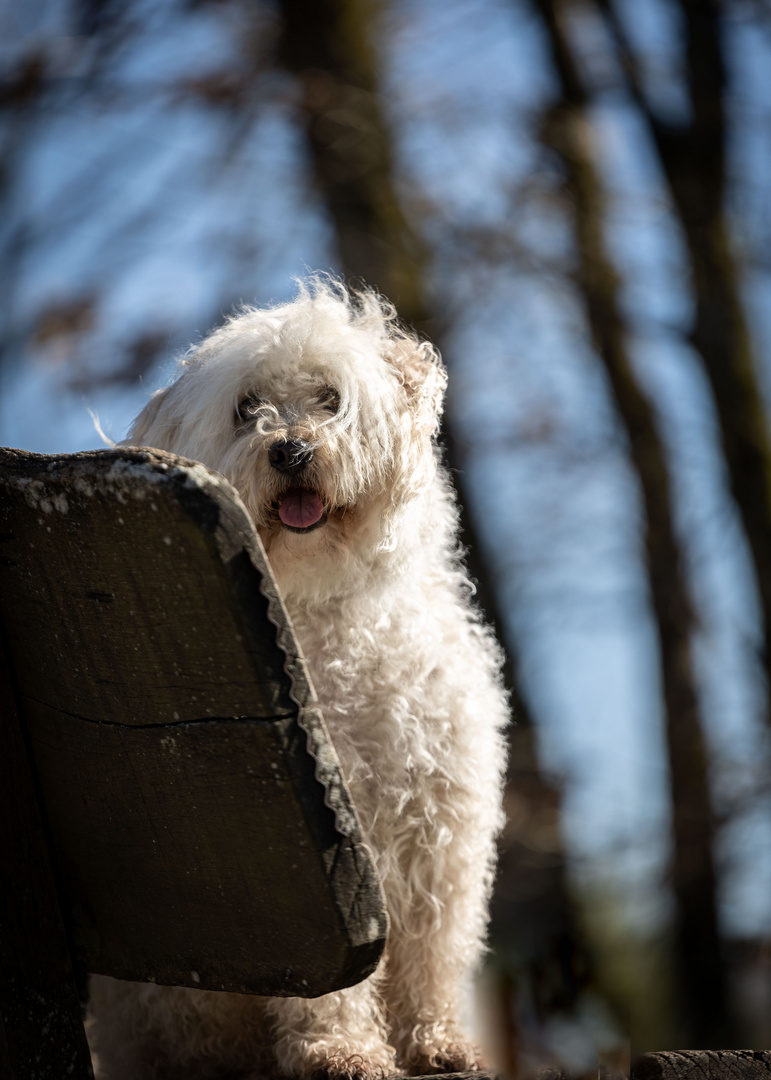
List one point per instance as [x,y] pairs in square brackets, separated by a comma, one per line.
[322,413]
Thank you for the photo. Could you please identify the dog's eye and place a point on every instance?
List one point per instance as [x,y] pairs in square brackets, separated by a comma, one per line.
[249,406]
[330,399]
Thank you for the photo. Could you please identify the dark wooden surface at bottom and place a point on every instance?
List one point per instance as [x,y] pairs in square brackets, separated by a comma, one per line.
[670,1065]
[704,1065]
[665,1065]
[484,1074]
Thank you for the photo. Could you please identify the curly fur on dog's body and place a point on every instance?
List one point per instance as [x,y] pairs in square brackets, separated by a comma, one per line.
[406,676]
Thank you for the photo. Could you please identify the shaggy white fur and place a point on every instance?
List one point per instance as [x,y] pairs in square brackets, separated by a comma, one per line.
[323,414]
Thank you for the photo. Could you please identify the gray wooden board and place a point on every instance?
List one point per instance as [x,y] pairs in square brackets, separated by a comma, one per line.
[201,828]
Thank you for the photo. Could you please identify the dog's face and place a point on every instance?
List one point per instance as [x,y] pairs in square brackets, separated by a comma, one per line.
[322,414]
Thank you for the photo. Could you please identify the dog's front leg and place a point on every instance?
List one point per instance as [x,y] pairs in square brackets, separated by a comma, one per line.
[340,1036]
[438,907]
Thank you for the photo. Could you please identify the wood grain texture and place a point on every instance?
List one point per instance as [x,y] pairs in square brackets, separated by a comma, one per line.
[119,603]
[681,1065]
[481,1074]
[703,1065]
[201,827]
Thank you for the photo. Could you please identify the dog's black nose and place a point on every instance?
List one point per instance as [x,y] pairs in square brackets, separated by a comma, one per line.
[287,454]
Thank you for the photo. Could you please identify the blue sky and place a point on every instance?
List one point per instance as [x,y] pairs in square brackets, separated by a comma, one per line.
[156,205]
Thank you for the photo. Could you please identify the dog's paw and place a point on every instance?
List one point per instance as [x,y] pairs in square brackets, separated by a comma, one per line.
[339,1067]
[451,1058]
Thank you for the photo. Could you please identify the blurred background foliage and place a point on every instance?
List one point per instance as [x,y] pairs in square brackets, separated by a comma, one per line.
[573,199]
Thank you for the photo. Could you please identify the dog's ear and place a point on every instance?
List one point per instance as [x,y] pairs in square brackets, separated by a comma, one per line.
[424,379]
[154,426]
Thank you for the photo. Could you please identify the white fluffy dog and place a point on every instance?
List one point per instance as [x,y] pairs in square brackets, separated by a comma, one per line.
[323,414]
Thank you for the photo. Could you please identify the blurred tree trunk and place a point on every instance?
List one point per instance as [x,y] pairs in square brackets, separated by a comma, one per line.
[328,45]
[700,968]
[21,91]
[693,159]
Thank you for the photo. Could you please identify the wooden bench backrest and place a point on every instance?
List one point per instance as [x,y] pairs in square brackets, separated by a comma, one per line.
[199,829]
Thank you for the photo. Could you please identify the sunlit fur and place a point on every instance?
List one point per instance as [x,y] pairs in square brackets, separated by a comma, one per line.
[406,675]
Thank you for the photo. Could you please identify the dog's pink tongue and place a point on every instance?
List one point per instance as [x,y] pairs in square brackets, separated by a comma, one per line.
[300,509]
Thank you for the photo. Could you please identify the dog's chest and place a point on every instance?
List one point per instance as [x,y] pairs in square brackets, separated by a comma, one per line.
[371,690]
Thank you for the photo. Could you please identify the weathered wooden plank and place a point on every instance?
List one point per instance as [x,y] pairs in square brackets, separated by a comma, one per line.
[481,1074]
[703,1065]
[41,1030]
[683,1065]
[106,604]
[203,820]
[201,826]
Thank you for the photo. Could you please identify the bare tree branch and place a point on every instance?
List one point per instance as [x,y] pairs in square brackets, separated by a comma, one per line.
[693,157]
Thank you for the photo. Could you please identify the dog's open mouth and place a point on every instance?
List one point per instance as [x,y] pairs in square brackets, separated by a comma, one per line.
[301,510]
